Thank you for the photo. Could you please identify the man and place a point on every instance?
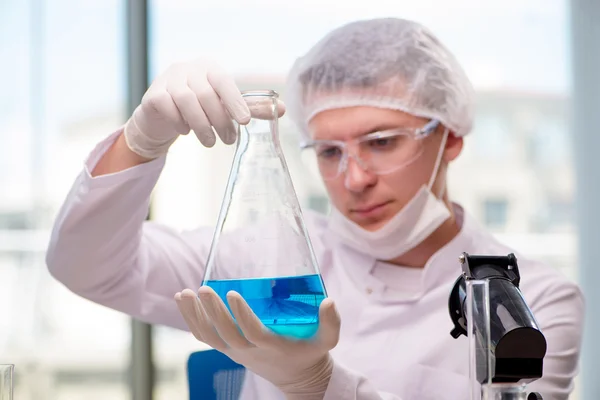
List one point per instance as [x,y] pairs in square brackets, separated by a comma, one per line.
[385,107]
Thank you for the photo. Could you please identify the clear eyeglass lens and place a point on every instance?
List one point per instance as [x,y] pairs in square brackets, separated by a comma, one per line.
[379,155]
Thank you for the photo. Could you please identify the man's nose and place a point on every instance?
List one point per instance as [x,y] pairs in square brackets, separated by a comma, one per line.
[357,176]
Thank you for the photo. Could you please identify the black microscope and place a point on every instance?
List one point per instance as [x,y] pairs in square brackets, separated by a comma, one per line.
[516,346]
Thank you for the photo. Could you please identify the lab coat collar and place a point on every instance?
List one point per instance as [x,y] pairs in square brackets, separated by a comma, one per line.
[442,268]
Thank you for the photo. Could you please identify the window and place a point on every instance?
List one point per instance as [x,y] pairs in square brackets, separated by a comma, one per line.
[15,220]
[495,213]
[63,64]
[492,137]
[561,212]
[550,142]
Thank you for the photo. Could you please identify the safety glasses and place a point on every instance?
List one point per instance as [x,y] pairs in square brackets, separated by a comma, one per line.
[378,152]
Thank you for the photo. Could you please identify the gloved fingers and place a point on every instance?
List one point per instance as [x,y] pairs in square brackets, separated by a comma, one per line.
[329,325]
[197,320]
[187,102]
[262,107]
[221,318]
[251,326]
[209,332]
[188,311]
[214,108]
[229,94]
[157,102]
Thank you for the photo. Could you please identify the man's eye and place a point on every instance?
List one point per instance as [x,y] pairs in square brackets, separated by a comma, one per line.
[329,152]
[382,143]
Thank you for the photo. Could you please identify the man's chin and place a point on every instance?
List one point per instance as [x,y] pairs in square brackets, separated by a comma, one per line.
[372,227]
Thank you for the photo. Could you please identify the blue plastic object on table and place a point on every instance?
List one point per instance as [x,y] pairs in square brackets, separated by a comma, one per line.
[214,376]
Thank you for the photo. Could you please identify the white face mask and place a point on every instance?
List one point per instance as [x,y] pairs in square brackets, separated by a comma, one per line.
[418,219]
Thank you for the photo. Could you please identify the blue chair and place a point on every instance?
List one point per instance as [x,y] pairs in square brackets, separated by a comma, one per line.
[214,376]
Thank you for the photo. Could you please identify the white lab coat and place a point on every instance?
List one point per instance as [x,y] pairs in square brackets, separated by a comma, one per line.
[395,338]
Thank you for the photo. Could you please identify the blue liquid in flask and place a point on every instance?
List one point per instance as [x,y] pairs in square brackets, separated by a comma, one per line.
[288,306]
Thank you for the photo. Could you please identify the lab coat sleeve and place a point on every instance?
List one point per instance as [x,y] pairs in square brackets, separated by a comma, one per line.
[560,315]
[346,384]
[102,248]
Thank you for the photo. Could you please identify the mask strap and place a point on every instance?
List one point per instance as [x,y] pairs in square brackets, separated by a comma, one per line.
[438,162]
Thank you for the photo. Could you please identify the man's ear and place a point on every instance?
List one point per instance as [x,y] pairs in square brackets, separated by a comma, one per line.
[454,146]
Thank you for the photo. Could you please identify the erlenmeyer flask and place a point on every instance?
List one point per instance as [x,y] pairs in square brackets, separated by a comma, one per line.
[260,246]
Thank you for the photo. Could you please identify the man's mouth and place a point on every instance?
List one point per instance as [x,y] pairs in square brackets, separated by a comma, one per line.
[370,209]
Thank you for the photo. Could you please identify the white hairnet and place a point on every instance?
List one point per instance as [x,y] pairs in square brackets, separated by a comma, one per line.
[387,63]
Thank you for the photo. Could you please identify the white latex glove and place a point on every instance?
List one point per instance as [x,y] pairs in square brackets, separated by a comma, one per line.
[194,95]
[299,368]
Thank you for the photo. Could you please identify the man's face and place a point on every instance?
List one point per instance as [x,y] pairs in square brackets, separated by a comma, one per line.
[368,199]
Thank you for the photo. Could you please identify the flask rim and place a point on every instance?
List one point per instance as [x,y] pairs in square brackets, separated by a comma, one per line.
[260,92]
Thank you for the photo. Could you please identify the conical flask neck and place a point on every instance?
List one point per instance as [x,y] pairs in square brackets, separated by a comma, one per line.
[263,106]
[262,128]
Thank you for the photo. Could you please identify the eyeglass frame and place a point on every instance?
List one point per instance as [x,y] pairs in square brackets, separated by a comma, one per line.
[417,133]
